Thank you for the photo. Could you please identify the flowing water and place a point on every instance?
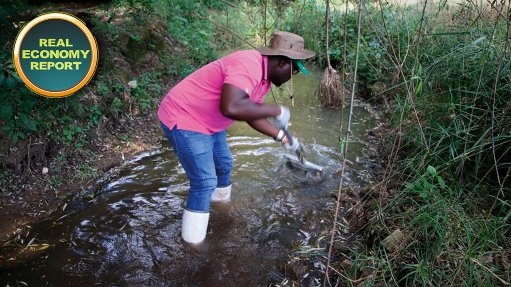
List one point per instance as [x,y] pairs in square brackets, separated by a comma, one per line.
[129,234]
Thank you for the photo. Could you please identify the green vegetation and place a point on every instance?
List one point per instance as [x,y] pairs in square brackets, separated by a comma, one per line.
[145,47]
[146,58]
[446,81]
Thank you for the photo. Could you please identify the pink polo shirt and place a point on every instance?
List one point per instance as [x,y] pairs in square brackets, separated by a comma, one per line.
[194,103]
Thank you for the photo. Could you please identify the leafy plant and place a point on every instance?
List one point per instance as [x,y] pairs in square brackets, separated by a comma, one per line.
[429,185]
[16,110]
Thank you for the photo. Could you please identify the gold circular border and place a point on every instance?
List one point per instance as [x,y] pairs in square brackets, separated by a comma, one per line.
[60,16]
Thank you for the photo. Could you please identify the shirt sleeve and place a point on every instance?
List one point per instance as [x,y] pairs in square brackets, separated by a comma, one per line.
[245,74]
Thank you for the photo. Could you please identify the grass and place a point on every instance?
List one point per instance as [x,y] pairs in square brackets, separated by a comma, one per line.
[450,149]
[84,172]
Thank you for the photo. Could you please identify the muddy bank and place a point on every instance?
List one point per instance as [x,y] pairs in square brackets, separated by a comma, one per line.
[32,194]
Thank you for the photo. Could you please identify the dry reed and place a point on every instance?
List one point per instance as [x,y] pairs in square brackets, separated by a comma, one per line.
[331,89]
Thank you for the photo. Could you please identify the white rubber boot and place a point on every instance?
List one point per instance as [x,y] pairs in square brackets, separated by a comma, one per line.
[221,194]
[195,225]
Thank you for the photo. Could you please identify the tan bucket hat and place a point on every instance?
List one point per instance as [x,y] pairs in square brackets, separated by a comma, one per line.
[286,44]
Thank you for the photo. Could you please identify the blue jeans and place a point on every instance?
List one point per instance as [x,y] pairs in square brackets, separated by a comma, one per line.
[207,161]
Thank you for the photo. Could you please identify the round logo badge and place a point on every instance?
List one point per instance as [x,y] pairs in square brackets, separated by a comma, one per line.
[55,55]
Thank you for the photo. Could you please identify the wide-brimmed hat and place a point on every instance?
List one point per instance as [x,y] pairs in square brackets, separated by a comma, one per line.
[286,44]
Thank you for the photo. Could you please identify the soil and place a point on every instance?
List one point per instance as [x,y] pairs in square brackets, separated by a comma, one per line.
[31,194]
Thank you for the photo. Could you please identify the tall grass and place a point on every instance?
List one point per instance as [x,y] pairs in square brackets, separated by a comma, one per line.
[450,153]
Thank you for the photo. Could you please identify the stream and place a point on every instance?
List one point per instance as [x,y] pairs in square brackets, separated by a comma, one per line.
[129,233]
